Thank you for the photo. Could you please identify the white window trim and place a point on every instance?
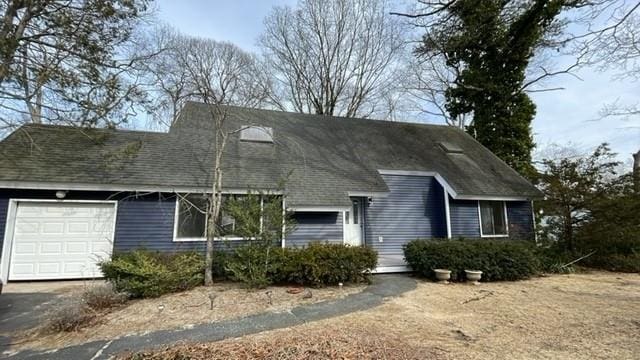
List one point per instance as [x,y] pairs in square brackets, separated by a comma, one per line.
[506,221]
[12,210]
[206,224]
[196,239]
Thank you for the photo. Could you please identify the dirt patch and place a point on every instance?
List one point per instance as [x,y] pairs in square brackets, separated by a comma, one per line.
[181,310]
[579,316]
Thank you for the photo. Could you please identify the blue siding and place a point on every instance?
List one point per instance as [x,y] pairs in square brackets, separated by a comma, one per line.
[413,209]
[4,207]
[466,223]
[520,217]
[464,218]
[148,223]
[316,226]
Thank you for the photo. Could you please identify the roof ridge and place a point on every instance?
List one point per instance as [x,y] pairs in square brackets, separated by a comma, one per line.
[32,125]
[327,117]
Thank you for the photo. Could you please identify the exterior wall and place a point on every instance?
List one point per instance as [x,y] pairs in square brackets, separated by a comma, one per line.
[520,216]
[316,226]
[4,208]
[413,209]
[141,222]
[464,218]
[466,223]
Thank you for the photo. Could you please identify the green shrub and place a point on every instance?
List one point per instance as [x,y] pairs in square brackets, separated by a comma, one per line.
[142,273]
[552,259]
[329,264]
[613,254]
[256,265]
[315,265]
[497,259]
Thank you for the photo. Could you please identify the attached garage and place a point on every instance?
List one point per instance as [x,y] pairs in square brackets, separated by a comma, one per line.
[57,239]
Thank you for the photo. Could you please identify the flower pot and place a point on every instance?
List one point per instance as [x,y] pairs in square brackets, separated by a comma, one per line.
[443,275]
[473,276]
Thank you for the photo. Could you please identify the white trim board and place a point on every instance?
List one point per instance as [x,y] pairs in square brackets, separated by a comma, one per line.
[7,244]
[36,185]
[318,208]
[506,221]
[391,269]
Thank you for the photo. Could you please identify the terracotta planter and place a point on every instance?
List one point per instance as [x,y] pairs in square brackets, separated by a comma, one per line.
[474,276]
[443,275]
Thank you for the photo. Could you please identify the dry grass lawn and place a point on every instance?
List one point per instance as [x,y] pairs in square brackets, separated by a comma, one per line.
[580,316]
[179,310]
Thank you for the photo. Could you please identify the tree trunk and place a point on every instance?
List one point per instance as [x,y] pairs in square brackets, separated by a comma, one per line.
[636,172]
[568,231]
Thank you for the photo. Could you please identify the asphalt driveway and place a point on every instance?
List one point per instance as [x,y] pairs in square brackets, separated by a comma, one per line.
[24,304]
[383,287]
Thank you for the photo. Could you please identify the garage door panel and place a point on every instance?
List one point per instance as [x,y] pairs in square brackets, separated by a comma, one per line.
[61,240]
[79,227]
[53,228]
[27,227]
[51,248]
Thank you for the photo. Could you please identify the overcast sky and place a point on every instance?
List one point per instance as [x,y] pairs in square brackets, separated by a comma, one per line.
[563,117]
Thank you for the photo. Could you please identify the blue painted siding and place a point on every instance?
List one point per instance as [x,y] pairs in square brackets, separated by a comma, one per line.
[413,209]
[465,221]
[316,226]
[520,217]
[464,218]
[4,208]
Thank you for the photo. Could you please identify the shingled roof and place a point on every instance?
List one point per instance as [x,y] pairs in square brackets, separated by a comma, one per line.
[319,159]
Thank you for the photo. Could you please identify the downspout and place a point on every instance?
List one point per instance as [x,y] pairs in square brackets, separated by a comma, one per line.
[447,213]
[636,172]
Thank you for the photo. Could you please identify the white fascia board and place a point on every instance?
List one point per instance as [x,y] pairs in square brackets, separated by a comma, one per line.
[318,208]
[492,198]
[377,194]
[32,185]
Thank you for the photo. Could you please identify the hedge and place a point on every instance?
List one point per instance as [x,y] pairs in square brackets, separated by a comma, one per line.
[497,259]
[142,273]
[316,264]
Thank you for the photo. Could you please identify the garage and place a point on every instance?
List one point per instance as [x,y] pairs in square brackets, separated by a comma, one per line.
[60,240]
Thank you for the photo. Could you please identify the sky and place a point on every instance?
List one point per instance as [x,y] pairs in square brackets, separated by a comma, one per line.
[565,117]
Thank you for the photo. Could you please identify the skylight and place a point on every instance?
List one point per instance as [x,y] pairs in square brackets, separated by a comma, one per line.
[256,134]
[450,148]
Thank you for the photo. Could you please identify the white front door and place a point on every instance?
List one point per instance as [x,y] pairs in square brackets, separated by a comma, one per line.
[353,224]
[60,240]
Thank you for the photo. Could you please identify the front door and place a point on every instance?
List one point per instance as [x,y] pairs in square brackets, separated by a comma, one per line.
[353,224]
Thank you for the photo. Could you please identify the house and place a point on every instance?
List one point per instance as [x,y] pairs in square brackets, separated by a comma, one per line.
[71,196]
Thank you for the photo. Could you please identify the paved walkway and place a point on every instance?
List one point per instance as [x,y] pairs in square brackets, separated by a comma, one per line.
[383,286]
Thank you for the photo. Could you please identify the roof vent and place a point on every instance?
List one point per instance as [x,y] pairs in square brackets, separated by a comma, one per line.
[256,134]
[450,148]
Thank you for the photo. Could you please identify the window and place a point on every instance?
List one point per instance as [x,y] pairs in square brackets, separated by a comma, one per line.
[191,218]
[241,216]
[493,221]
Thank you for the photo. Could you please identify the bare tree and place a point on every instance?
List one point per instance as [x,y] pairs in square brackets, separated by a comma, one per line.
[68,60]
[609,39]
[219,74]
[333,57]
[231,75]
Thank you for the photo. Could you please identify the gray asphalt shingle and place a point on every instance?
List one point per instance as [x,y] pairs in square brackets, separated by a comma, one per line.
[318,158]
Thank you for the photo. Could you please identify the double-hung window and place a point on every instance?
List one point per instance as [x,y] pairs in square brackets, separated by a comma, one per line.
[493,218]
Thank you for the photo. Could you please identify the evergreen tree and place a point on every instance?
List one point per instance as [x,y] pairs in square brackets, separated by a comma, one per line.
[491,43]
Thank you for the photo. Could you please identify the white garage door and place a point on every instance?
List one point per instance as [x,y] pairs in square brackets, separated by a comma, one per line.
[61,240]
